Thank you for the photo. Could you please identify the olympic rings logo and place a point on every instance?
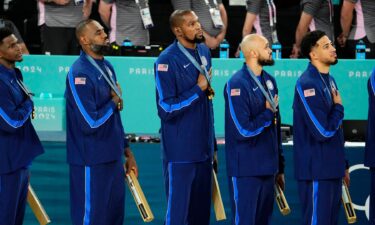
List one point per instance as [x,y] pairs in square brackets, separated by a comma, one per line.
[365,207]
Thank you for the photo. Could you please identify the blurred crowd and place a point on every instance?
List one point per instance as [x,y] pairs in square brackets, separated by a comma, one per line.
[47,26]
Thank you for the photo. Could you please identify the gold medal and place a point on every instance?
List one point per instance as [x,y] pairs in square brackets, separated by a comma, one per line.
[210,93]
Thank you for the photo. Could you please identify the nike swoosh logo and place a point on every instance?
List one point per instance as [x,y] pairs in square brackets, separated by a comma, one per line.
[254,89]
[186,65]
[100,77]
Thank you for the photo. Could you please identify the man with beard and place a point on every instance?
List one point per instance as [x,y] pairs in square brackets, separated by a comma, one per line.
[212,17]
[252,135]
[95,135]
[18,139]
[319,157]
[183,97]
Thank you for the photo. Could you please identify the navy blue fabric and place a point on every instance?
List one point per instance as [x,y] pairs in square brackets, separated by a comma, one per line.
[317,133]
[188,189]
[252,199]
[320,201]
[97,194]
[370,139]
[184,109]
[13,195]
[372,197]
[18,139]
[94,130]
[370,143]
[252,140]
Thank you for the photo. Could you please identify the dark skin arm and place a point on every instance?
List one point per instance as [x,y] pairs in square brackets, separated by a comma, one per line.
[130,163]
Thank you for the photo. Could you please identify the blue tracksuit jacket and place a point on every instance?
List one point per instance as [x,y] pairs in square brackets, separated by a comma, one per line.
[317,135]
[184,110]
[252,140]
[370,140]
[94,130]
[19,143]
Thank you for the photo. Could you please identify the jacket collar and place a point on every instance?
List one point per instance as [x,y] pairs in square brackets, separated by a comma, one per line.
[7,73]
[315,75]
[312,69]
[264,74]
[88,65]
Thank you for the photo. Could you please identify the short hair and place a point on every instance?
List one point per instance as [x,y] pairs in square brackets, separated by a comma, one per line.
[81,27]
[309,41]
[5,32]
[177,17]
[248,42]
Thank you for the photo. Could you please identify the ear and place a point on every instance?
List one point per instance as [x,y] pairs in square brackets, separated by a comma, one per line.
[312,55]
[83,40]
[253,54]
[178,31]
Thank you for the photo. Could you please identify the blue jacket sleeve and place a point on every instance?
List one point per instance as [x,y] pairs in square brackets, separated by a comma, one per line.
[12,116]
[239,105]
[92,117]
[322,125]
[171,103]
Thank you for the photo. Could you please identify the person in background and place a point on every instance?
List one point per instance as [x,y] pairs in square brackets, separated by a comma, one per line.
[124,18]
[363,27]
[316,15]
[260,19]
[57,21]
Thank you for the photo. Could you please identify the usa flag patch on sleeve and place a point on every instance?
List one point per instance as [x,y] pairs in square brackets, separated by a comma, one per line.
[80,80]
[309,92]
[163,67]
[235,92]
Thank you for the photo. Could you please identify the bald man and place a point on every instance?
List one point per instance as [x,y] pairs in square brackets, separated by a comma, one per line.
[95,136]
[252,135]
